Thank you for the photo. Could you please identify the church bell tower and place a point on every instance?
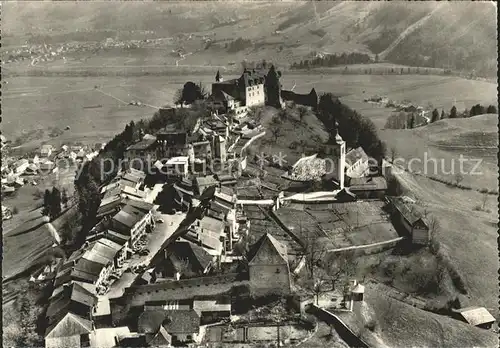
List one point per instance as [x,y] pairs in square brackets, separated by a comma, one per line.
[339,155]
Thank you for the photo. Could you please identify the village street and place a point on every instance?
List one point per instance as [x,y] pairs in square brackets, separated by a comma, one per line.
[156,238]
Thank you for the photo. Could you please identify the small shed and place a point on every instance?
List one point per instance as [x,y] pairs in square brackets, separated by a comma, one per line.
[476,316]
[358,292]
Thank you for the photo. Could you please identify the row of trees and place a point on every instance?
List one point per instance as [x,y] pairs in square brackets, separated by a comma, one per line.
[238,45]
[477,109]
[53,201]
[333,60]
[355,129]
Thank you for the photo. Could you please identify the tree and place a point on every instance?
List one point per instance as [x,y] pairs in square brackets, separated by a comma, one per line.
[453,112]
[411,121]
[64,197]
[275,127]
[458,178]
[302,112]
[47,202]
[272,87]
[491,109]
[340,266]
[192,92]
[178,96]
[278,313]
[442,115]
[434,227]
[314,252]
[55,207]
[394,154]
[435,115]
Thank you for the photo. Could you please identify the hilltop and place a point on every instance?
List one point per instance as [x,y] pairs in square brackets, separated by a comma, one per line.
[458,35]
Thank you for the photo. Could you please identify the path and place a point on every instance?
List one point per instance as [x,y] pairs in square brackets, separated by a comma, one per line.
[365,246]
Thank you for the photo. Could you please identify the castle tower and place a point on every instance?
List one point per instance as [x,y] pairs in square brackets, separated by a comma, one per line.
[339,155]
[218,77]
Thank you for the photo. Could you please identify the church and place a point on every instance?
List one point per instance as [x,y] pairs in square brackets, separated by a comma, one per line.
[255,87]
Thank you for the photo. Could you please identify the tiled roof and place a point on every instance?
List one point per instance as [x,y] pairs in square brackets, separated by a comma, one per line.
[196,255]
[404,210]
[150,321]
[138,204]
[59,304]
[355,155]
[212,225]
[476,315]
[278,248]
[129,216]
[88,266]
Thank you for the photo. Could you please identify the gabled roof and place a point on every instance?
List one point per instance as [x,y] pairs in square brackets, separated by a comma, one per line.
[476,315]
[139,205]
[355,155]
[59,306]
[162,338]
[69,325]
[410,216]
[116,237]
[196,255]
[150,321]
[129,216]
[267,248]
[174,321]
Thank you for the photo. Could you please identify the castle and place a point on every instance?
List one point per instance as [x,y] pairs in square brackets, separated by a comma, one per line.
[256,87]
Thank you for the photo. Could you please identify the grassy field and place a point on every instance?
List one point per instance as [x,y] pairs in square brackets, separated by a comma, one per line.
[421,328]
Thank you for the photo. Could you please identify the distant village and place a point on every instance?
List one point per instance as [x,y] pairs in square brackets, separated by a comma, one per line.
[197,241]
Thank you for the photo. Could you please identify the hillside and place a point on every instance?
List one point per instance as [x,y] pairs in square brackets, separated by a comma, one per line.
[459,35]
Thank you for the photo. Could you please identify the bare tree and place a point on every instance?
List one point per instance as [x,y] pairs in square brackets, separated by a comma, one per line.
[340,266]
[314,252]
[434,227]
[278,314]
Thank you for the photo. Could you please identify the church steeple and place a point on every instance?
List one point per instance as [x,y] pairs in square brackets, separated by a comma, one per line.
[339,154]
[336,134]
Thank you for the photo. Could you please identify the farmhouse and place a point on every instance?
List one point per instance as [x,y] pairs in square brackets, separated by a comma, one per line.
[412,224]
